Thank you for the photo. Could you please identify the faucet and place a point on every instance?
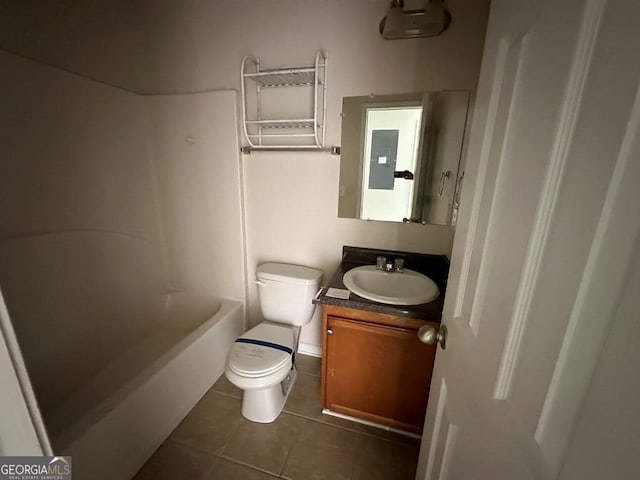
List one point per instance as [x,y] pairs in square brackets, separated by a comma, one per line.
[388,266]
[398,265]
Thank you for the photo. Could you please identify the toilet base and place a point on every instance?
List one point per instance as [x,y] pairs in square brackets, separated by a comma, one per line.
[265,404]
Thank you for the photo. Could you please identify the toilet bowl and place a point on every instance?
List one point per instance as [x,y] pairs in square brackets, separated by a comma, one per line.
[261,364]
[262,360]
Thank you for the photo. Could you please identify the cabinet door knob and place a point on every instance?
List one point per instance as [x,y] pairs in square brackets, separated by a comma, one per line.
[329,331]
[429,335]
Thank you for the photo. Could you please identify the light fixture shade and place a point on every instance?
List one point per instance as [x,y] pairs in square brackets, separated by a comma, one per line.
[430,21]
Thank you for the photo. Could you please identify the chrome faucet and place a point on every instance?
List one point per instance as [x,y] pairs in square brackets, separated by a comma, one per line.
[398,265]
[388,266]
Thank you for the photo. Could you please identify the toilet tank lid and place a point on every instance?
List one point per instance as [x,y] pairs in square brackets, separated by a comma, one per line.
[285,272]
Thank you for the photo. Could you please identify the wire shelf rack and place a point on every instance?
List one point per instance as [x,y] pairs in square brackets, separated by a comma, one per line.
[264,133]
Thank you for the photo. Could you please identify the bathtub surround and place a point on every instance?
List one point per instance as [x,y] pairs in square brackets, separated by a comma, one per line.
[112,204]
[194,147]
[78,240]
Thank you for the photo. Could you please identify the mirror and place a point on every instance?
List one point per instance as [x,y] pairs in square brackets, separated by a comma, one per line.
[400,156]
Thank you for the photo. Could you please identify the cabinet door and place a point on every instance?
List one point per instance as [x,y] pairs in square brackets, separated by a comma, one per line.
[377,373]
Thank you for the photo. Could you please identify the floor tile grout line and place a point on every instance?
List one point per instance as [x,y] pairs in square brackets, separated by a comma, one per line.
[286,459]
[359,438]
[317,420]
[347,429]
[190,446]
[224,393]
[248,465]
[197,447]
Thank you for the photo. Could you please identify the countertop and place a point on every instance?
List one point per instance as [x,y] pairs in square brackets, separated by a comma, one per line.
[435,267]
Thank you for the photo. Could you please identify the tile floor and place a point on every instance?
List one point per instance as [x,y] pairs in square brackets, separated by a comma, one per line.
[215,442]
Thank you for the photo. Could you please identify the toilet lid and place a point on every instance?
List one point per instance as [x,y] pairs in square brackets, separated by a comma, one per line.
[262,350]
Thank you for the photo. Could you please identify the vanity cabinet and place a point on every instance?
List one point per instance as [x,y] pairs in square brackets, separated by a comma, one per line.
[375,368]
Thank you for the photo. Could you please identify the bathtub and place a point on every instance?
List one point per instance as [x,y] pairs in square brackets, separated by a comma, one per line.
[115,422]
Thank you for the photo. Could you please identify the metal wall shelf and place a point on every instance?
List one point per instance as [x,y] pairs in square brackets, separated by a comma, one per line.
[284,133]
[294,123]
[284,78]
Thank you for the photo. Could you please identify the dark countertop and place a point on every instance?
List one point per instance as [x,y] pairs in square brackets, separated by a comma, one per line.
[435,267]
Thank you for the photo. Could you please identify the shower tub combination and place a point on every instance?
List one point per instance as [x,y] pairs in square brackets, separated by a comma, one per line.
[115,422]
[99,223]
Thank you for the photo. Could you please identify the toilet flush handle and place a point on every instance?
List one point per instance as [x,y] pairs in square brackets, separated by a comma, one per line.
[259,283]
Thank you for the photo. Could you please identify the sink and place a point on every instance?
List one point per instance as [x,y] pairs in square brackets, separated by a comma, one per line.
[395,288]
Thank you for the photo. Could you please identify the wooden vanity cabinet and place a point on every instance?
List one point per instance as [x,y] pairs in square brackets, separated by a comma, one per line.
[375,368]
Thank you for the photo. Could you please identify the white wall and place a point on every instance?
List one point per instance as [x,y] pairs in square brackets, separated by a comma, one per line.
[291,198]
[102,39]
[79,263]
[199,45]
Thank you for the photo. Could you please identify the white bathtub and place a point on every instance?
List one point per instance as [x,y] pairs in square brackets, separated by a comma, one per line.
[113,424]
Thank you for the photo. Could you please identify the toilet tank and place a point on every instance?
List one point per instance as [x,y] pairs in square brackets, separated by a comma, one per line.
[285,292]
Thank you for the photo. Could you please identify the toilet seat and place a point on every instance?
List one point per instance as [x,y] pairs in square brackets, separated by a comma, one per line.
[261,351]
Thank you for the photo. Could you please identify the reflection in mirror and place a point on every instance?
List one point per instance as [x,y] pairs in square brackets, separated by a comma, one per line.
[400,158]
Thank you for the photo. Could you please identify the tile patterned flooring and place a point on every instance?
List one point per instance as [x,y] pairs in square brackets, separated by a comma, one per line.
[215,442]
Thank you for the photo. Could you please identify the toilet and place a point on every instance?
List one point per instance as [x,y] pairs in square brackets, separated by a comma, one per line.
[262,360]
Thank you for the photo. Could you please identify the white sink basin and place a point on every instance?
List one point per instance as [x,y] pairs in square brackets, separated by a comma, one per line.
[395,288]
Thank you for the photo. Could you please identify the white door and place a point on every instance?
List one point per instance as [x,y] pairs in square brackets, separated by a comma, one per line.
[544,272]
